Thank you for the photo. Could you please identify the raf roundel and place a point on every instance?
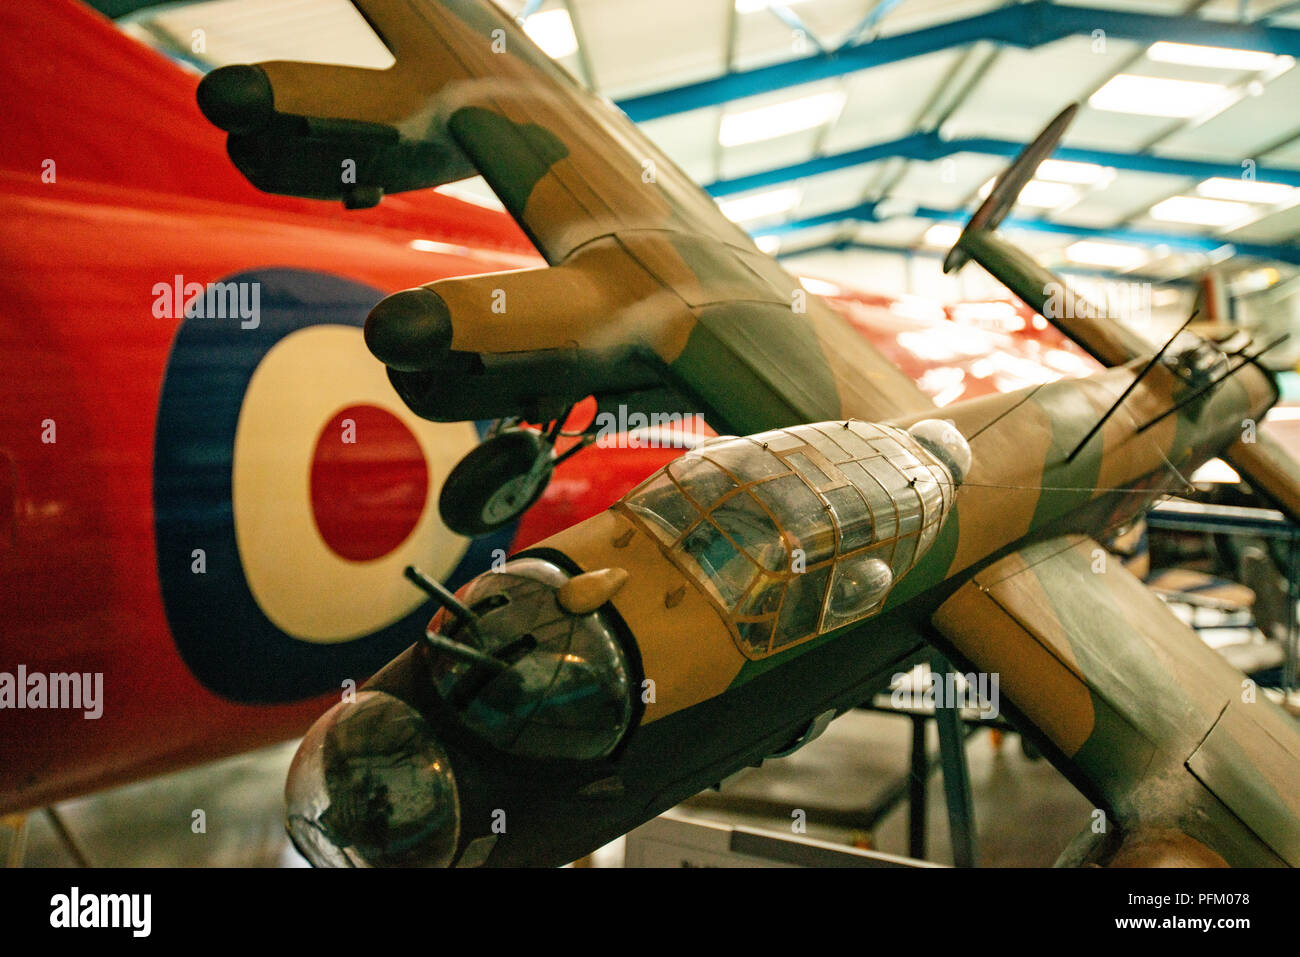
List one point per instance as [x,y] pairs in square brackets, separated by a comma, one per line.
[284,455]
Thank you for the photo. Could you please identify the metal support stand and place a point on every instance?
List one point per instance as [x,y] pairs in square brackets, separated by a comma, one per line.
[917,790]
[913,786]
[66,839]
[956,777]
[1262,522]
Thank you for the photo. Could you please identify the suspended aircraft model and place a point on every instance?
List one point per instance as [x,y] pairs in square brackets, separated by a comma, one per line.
[745,594]
[170,420]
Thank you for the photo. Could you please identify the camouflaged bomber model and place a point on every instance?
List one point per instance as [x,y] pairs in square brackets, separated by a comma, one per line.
[759,585]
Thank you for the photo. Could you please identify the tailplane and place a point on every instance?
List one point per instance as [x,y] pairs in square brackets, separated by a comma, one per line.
[1269,468]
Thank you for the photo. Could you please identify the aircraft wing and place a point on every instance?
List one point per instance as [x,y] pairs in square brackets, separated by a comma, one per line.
[1271,470]
[649,284]
[1147,720]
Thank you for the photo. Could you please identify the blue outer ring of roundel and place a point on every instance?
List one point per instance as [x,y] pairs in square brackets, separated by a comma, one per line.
[220,631]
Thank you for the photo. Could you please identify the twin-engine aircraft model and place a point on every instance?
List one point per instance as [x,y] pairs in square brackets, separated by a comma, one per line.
[747,593]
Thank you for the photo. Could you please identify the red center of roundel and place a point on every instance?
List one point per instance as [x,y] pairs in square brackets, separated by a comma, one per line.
[369,483]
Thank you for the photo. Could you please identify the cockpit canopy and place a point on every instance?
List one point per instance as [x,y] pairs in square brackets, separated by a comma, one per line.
[797,531]
[1195,359]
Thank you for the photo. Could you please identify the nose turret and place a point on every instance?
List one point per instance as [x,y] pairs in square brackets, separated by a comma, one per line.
[562,685]
[371,786]
[526,658]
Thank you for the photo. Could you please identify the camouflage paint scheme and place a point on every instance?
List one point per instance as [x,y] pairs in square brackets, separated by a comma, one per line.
[652,296]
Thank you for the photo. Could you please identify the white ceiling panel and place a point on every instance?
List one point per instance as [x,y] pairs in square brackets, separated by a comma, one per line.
[753,157]
[900,230]
[1026,88]
[636,46]
[1281,226]
[688,140]
[1123,132]
[884,102]
[1254,122]
[947,183]
[1127,193]
[832,191]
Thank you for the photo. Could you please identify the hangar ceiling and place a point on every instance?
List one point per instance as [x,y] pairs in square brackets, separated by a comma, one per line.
[875,124]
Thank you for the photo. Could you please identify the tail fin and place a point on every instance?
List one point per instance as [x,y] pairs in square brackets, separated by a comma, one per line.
[1040,288]
[1266,465]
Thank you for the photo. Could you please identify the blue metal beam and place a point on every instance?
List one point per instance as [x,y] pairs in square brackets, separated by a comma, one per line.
[791,20]
[879,10]
[1026,25]
[863,212]
[930,146]
[1000,24]
[913,146]
[869,212]
[1139,162]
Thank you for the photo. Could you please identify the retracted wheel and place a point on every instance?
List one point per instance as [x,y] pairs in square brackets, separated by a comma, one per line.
[497,482]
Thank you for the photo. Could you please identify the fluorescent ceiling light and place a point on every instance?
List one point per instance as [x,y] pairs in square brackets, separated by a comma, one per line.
[759,205]
[1246,190]
[1069,171]
[768,244]
[1040,194]
[1201,212]
[553,32]
[1156,96]
[755,6]
[942,235]
[779,119]
[1219,58]
[1047,195]
[1114,255]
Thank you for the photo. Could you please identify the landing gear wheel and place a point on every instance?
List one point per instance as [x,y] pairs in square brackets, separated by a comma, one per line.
[496,483]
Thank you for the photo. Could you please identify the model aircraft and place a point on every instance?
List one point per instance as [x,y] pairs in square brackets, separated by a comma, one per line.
[729,606]
[111,183]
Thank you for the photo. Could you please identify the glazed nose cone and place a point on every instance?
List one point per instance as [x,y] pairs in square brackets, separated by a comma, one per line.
[371,787]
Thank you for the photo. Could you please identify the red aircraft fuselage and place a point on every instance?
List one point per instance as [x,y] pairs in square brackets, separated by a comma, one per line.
[207,500]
